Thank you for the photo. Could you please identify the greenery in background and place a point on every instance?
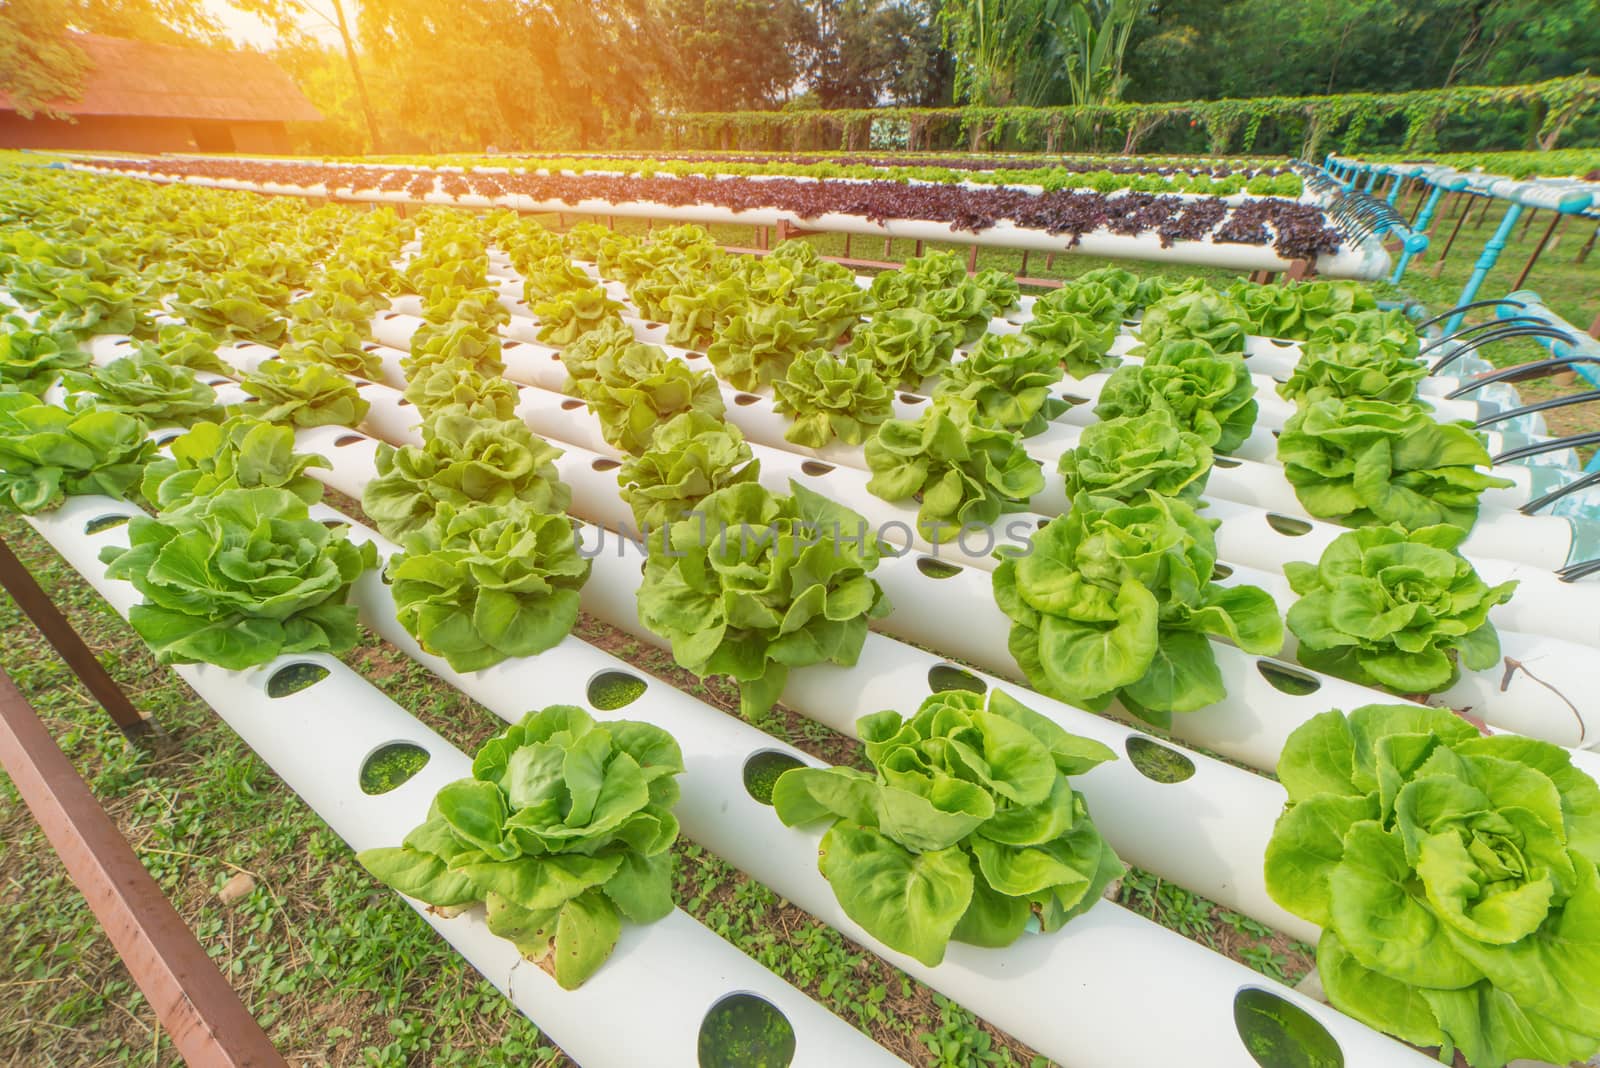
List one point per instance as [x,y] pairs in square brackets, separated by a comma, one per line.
[562,832]
[240,578]
[1384,607]
[481,583]
[752,585]
[1117,600]
[1453,876]
[966,828]
[1362,462]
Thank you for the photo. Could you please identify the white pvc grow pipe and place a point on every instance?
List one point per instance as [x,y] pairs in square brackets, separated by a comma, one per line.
[668,974]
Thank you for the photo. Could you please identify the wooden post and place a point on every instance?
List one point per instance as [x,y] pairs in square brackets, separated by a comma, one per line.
[1488,202]
[918,252]
[1023,270]
[1555,221]
[1588,246]
[1438,268]
[972,260]
[847,245]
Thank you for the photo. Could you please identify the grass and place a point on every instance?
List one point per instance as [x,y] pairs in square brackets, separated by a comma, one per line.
[337,969]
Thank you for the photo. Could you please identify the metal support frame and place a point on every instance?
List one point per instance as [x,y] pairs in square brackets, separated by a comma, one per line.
[1420,225]
[207,1022]
[39,608]
[1486,262]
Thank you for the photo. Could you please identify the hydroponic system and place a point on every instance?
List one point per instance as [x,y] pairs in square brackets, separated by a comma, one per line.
[1272,589]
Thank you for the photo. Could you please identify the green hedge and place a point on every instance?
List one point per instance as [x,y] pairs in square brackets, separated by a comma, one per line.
[1317,123]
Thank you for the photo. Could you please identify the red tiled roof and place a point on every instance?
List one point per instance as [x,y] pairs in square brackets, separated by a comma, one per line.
[138,78]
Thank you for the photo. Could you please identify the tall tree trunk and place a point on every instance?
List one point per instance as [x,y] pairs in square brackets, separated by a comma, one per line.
[355,71]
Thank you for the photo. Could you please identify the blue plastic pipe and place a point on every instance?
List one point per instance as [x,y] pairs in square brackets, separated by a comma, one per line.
[1424,221]
[1486,262]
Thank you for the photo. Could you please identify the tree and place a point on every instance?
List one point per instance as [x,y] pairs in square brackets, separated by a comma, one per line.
[38,61]
[735,54]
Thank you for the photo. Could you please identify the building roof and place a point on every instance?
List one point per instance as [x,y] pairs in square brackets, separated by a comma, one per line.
[139,78]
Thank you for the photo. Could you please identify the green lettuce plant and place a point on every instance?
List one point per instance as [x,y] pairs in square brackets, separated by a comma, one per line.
[1121,458]
[1387,329]
[831,397]
[1337,370]
[965,830]
[466,342]
[906,345]
[230,307]
[1362,462]
[48,453]
[553,276]
[564,829]
[834,308]
[1206,393]
[752,585]
[145,387]
[1001,292]
[32,360]
[240,578]
[463,460]
[302,394]
[1155,288]
[1203,315]
[638,387]
[916,278]
[241,453]
[582,357]
[458,381]
[481,583]
[1293,312]
[1384,607]
[183,346]
[1099,303]
[691,456]
[963,309]
[1009,380]
[1116,600]
[694,318]
[568,316]
[758,346]
[960,472]
[335,344]
[1453,876]
[1074,340]
[1123,284]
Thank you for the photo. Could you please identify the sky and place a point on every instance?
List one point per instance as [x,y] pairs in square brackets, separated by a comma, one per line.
[246,29]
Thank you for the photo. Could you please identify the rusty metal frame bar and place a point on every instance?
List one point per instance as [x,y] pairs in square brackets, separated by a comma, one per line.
[38,606]
[202,1014]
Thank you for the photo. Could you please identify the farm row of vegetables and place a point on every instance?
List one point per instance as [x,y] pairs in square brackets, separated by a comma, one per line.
[1292,229]
[1100,175]
[1451,872]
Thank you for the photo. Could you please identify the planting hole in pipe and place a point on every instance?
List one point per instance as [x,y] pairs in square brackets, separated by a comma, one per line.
[1157,762]
[938,569]
[168,438]
[389,766]
[745,399]
[1280,1034]
[605,463]
[911,398]
[815,467]
[1285,679]
[403,402]
[1288,525]
[1220,572]
[571,405]
[745,1031]
[335,524]
[1074,400]
[944,677]
[347,439]
[611,690]
[104,522]
[292,678]
[761,771]
[1224,461]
